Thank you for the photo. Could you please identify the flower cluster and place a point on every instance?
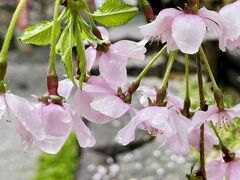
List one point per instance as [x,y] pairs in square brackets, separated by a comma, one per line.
[106,97]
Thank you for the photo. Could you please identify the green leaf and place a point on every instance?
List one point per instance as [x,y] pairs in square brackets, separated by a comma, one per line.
[38,34]
[63,42]
[80,47]
[87,32]
[67,62]
[114,13]
[64,48]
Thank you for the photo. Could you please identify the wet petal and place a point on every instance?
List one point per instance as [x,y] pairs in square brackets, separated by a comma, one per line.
[112,68]
[188,32]
[127,133]
[57,126]
[82,102]
[110,105]
[83,134]
[25,112]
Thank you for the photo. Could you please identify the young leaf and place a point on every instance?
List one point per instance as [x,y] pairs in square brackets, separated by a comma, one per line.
[63,42]
[67,62]
[38,34]
[65,46]
[86,32]
[114,13]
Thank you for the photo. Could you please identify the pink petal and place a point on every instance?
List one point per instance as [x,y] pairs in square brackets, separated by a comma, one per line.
[215,170]
[188,32]
[233,171]
[26,136]
[54,111]
[174,103]
[161,27]
[127,133]
[112,68]
[83,134]
[179,142]
[201,117]
[65,88]
[210,138]
[82,102]
[218,25]
[104,32]
[110,105]
[25,112]
[154,117]
[231,13]
[57,127]
[130,49]
[231,45]
[91,54]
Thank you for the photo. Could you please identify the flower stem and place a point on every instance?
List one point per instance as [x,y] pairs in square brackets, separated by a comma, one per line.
[52,77]
[202,171]
[162,90]
[217,92]
[148,67]
[187,101]
[5,47]
[168,71]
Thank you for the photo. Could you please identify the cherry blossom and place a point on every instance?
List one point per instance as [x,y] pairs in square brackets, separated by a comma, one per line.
[232,12]
[24,115]
[113,58]
[218,169]
[219,117]
[166,125]
[97,102]
[58,121]
[186,31]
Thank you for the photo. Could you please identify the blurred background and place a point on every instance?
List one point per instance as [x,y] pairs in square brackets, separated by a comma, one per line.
[141,160]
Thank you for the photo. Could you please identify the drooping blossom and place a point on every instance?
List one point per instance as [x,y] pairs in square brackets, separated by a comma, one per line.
[186,31]
[97,102]
[58,120]
[24,115]
[219,117]
[219,170]
[113,59]
[210,138]
[161,122]
[232,13]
